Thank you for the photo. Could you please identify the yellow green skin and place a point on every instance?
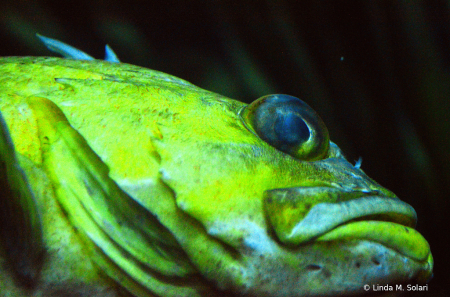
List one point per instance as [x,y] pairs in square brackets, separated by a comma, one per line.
[147,185]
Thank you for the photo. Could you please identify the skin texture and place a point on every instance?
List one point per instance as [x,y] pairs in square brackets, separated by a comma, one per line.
[141,183]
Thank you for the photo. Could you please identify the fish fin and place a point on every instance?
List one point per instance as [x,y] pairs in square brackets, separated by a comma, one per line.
[110,55]
[20,222]
[358,163]
[64,49]
[68,51]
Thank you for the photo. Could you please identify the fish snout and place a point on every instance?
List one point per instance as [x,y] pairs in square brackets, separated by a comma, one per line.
[302,215]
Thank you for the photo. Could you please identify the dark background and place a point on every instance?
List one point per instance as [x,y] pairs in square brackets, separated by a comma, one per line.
[378,72]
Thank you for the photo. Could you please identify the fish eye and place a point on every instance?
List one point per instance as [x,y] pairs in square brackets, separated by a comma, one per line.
[288,124]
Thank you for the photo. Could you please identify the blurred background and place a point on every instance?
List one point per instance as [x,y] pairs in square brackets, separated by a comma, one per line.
[378,73]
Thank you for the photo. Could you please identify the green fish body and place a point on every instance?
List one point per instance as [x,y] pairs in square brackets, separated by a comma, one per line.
[121,181]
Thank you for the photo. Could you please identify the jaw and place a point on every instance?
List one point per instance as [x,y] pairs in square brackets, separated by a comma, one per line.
[349,250]
[364,241]
[329,268]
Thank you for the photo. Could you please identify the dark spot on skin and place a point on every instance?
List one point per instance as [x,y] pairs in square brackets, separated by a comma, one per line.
[233,125]
[313,267]
[358,264]
[45,140]
[269,200]
[326,273]
[375,261]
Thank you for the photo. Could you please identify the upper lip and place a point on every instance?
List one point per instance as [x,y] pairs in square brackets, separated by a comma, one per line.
[324,216]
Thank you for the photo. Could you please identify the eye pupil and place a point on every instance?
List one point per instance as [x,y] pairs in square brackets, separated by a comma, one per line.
[291,129]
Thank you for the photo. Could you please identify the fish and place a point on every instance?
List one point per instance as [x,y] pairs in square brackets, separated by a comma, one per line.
[121,180]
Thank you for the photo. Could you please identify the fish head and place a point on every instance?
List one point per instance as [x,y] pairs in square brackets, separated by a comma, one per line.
[293,216]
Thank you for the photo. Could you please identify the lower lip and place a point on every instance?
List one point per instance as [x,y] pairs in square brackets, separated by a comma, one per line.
[402,239]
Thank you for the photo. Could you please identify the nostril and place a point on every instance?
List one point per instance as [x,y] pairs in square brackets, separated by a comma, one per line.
[313,267]
[376,261]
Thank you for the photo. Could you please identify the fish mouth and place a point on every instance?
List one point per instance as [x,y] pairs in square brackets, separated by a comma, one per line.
[337,215]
